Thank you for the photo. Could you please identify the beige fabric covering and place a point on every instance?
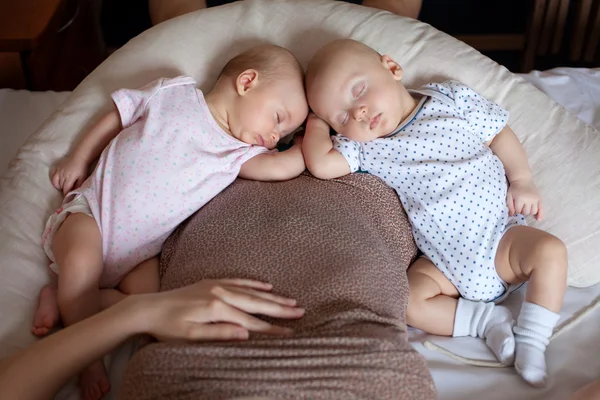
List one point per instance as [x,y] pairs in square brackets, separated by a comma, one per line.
[341,248]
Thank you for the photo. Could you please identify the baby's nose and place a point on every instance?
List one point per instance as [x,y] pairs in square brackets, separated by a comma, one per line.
[275,136]
[360,112]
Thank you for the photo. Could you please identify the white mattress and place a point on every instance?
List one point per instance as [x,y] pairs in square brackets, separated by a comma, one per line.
[572,357]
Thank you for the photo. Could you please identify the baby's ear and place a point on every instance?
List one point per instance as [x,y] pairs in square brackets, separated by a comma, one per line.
[392,66]
[246,81]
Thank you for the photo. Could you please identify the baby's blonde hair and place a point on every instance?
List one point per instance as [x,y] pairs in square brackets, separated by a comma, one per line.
[324,57]
[272,62]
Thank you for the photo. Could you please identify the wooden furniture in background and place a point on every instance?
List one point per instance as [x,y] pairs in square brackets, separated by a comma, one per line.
[57,41]
[567,31]
[551,33]
[22,22]
[580,44]
[586,32]
[11,75]
[22,25]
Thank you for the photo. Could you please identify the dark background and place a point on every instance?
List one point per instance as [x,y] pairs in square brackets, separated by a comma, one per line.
[501,29]
[123,20]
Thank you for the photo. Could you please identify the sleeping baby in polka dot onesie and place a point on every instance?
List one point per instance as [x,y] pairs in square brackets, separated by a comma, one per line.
[165,151]
[465,183]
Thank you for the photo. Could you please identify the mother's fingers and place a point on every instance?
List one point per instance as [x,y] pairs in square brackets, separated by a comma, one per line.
[223,312]
[253,304]
[218,331]
[268,296]
[248,283]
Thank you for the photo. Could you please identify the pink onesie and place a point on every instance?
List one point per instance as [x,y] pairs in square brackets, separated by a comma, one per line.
[169,160]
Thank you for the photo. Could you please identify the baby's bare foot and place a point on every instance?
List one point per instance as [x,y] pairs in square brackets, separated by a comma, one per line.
[46,315]
[93,382]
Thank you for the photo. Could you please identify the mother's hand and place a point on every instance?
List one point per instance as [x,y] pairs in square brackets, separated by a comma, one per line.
[217,310]
[207,310]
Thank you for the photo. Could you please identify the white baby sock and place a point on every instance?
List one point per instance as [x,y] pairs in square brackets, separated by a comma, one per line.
[532,335]
[490,322]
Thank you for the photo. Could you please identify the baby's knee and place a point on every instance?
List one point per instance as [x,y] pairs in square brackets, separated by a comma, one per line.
[74,286]
[550,254]
[551,250]
[78,274]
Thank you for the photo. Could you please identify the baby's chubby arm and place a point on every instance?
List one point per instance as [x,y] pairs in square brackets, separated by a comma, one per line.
[322,160]
[523,196]
[70,173]
[280,166]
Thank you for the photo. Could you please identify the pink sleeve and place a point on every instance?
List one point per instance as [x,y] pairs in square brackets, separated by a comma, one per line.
[254,151]
[131,103]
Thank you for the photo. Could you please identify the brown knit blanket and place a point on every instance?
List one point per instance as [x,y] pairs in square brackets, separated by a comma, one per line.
[341,248]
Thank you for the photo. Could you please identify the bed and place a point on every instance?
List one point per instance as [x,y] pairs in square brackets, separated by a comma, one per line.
[578,90]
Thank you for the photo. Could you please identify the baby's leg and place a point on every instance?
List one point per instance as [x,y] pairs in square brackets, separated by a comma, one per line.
[433,299]
[142,279]
[77,248]
[528,254]
[434,307]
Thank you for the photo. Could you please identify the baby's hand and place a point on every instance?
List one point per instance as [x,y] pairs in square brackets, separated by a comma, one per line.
[69,174]
[314,123]
[523,198]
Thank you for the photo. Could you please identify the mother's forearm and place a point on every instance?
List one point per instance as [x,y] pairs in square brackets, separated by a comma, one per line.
[54,360]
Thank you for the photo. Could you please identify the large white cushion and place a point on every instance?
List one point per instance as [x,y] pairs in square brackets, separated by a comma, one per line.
[563,151]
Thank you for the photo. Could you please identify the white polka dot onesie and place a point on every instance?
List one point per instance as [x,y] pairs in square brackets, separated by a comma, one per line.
[451,185]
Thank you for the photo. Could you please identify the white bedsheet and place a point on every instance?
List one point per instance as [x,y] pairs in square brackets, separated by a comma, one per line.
[572,357]
[576,89]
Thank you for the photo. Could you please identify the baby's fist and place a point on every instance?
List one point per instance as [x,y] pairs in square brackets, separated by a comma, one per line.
[524,198]
[69,174]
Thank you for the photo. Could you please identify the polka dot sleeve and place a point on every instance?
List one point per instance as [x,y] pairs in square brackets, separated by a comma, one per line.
[485,118]
[131,103]
[349,149]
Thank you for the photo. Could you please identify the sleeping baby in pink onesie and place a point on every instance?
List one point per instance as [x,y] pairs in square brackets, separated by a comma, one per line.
[166,150]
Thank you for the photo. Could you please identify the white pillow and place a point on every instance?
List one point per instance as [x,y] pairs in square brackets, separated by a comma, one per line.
[562,150]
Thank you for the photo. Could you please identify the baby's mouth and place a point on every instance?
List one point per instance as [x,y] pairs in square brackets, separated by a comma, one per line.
[375,121]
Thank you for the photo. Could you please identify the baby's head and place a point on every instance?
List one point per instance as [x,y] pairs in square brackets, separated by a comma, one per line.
[262,94]
[357,91]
